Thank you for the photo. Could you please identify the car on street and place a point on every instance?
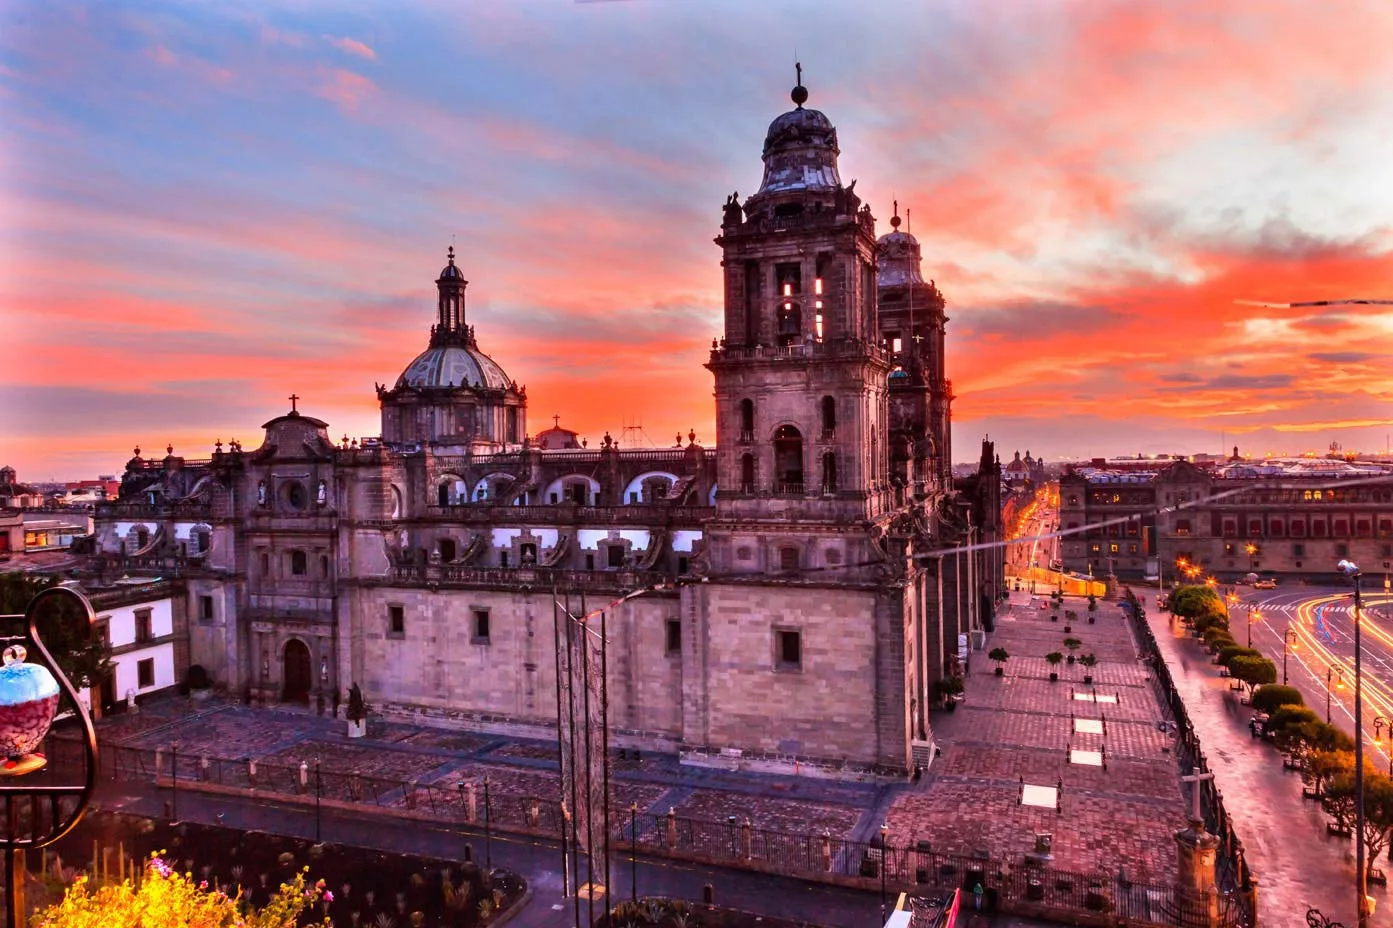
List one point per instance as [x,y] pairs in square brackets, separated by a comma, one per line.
[1264,584]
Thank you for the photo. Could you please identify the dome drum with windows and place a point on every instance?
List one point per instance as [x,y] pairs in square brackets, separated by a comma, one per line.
[452,393]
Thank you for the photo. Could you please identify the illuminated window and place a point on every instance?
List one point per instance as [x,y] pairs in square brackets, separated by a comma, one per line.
[788,290]
[817,325]
[817,287]
[1316,495]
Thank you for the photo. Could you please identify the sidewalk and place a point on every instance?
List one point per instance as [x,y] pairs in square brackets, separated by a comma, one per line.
[1297,865]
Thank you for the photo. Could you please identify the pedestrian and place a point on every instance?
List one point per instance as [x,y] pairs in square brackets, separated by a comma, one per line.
[977,892]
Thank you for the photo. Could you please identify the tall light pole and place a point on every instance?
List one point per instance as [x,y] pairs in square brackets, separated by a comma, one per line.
[1253,613]
[1334,672]
[1351,571]
[1288,644]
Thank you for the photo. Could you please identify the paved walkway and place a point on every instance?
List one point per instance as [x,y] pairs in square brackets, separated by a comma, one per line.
[1297,864]
[1021,728]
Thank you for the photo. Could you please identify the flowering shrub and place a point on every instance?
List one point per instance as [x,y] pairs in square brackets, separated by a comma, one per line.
[165,898]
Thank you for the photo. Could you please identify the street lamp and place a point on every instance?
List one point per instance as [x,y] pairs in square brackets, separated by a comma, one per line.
[174,782]
[318,791]
[1288,644]
[488,830]
[633,852]
[1339,676]
[884,864]
[29,696]
[1351,572]
[1253,613]
[1379,723]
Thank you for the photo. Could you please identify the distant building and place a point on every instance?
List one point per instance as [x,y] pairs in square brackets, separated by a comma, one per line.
[1284,516]
[16,495]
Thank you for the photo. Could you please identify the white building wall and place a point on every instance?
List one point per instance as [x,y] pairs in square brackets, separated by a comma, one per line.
[121,626]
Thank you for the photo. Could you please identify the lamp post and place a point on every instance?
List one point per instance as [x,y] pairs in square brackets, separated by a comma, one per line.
[1351,572]
[463,808]
[884,865]
[1288,644]
[1339,676]
[173,782]
[318,791]
[1380,723]
[633,852]
[1253,613]
[488,830]
[30,694]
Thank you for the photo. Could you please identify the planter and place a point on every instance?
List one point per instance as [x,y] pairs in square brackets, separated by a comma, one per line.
[357,729]
[1054,677]
[1034,891]
[951,705]
[1070,659]
[1000,671]
[1068,629]
[1090,619]
[202,695]
[1088,679]
[1054,618]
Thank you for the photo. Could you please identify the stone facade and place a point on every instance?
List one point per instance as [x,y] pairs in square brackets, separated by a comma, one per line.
[803,583]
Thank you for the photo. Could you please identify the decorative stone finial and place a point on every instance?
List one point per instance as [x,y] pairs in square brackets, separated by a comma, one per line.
[895,219]
[451,254]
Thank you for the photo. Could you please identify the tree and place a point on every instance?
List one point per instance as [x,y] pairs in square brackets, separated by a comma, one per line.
[1196,603]
[1319,767]
[357,706]
[1271,697]
[83,657]
[1288,727]
[1338,800]
[169,899]
[1378,814]
[1229,652]
[1253,671]
[1001,656]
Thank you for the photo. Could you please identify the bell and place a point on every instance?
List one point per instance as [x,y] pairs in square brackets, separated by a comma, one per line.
[28,701]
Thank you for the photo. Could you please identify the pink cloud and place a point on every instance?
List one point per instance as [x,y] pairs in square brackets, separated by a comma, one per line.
[344,89]
[352,47]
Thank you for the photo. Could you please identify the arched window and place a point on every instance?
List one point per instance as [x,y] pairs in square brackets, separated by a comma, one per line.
[788,558]
[747,420]
[788,461]
[442,494]
[202,538]
[447,550]
[296,496]
[829,418]
[142,537]
[829,472]
[747,473]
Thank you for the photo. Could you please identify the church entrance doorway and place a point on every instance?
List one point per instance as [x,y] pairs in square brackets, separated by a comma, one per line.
[297,674]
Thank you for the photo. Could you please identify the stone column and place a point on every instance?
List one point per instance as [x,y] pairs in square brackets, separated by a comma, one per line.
[1196,891]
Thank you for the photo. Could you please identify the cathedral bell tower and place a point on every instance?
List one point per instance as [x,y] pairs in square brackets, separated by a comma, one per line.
[801,375]
[912,325]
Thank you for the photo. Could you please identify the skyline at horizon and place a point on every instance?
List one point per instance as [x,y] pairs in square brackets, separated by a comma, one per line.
[258,201]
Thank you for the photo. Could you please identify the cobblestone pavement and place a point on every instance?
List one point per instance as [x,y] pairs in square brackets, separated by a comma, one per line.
[1297,864]
[1020,727]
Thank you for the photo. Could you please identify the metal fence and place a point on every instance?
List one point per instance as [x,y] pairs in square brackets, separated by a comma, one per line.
[1027,889]
[1231,866]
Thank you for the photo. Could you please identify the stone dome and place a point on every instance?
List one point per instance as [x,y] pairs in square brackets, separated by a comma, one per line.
[898,255]
[453,365]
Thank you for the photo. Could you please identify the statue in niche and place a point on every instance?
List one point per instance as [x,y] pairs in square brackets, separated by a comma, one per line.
[261,493]
[322,494]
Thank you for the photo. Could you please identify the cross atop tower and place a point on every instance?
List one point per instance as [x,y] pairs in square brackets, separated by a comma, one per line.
[293,399]
[556,421]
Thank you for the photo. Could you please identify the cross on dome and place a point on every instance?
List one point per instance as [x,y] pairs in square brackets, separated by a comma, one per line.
[293,400]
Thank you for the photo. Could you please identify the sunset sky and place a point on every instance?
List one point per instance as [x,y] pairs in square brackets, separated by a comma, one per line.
[208,206]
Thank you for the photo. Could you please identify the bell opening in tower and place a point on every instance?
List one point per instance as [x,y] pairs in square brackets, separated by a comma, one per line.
[788,460]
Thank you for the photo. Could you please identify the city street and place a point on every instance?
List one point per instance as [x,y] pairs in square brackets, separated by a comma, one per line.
[1316,623]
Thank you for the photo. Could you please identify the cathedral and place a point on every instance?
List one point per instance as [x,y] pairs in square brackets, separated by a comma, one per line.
[790,596]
